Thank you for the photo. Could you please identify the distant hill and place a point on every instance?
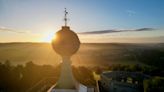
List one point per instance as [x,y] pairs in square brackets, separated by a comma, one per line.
[89,53]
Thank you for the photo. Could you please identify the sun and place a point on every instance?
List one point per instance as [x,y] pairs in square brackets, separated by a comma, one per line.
[50,37]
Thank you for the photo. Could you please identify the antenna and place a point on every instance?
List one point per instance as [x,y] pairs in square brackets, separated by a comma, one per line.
[65,16]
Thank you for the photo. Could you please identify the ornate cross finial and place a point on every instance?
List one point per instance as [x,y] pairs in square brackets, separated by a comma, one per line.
[65,16]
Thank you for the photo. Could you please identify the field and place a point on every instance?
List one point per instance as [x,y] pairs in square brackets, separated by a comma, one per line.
[89,54]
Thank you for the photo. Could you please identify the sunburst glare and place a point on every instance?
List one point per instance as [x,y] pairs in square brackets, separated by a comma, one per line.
[49,37]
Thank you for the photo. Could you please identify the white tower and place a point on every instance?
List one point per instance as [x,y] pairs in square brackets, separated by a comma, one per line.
[66,44]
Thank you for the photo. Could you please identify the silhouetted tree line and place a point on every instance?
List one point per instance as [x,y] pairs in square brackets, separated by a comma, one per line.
[149,70]
[135,68]
[20,78]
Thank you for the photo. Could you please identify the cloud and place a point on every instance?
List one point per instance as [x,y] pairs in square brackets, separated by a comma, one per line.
[145,29]
[4,29]
[114,31]
[100,32]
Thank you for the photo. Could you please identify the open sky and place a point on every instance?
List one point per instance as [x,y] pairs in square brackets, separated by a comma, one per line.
[94,20]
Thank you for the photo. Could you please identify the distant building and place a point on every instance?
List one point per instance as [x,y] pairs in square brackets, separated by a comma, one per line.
[122,81]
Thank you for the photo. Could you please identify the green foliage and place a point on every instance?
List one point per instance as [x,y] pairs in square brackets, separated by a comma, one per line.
[155,84]
[19,78]
[84,75]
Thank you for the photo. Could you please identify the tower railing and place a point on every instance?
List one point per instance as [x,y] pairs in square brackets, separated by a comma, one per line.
[43,85]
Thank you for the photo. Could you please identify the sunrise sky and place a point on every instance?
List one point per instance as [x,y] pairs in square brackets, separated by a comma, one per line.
[93,20]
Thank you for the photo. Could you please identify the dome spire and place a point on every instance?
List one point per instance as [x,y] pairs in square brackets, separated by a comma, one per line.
[65,16]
